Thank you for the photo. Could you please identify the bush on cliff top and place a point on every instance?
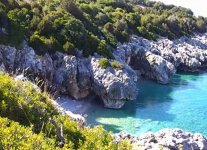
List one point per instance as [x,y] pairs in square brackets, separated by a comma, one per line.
[20,102]
[104,63]
[117,65]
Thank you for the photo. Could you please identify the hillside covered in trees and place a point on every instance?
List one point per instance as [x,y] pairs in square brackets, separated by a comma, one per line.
[91,25]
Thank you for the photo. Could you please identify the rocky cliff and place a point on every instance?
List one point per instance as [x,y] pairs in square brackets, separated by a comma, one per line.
[70,75]
[159,60]
[79,77]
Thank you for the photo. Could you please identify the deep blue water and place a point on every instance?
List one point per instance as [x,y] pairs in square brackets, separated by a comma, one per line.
[180,104]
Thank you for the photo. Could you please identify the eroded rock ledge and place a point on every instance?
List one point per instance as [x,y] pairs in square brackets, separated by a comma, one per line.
[79,77]
[166,139]
[69,75]
[160,60]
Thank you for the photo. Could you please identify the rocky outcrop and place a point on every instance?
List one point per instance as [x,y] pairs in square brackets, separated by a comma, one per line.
[166,139]
[66,76]
[153,66]
[80,77]
[8,56]
[160,60]
[114,86]
[70,75]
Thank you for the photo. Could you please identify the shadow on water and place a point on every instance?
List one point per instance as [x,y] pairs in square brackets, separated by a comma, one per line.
[154,100]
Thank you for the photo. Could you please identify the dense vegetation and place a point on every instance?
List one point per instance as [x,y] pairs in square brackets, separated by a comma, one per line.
[25,122]
[91,25]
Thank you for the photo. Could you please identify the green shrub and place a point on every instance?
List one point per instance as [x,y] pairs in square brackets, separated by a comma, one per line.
[76,30]
[20,17]
[2,6]
[44,44]
[116,65]
[72,8]
[69,48]
[16,23]
[90,44]
[34,22]
[105,140]
[73,134]
[104,50]
[20,102]
[104,63]
[3,16]
[110,38]
[147,34]
[15,136]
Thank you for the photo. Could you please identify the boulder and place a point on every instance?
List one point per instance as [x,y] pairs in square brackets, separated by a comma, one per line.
[113,86]
[166,139]
[153,66]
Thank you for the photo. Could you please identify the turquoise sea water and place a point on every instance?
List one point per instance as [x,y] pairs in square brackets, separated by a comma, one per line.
[180,104]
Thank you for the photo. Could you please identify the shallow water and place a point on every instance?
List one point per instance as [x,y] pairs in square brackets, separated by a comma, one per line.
[180,104]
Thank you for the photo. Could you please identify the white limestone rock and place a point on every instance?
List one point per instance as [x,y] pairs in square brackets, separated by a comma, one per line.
[114,86]
[166,139]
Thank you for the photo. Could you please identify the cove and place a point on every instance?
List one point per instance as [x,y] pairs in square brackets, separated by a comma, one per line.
[180,104]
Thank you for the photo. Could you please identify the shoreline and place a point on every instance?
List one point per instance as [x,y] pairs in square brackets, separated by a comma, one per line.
[73,105]
[166,138]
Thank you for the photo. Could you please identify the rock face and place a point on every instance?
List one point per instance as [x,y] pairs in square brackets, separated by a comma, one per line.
[8,56]
[167,139]
[113,86]
[74,76]
[153,66]
[66,76]
[80,77]
[160,60]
